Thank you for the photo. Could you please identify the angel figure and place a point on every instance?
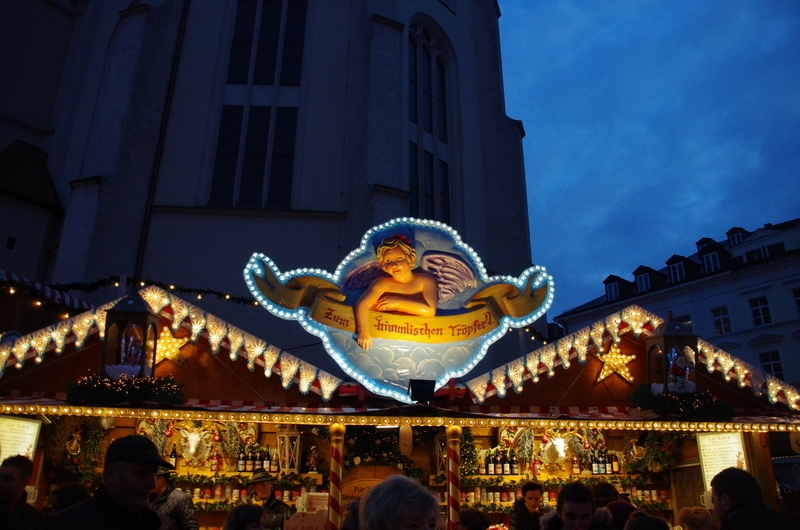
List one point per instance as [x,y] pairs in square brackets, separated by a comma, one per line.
[402,289]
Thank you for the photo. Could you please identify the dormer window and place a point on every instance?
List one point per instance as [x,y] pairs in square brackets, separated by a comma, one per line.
[677,273]
[612,291]
[711,262]
[735,238]
[643,283]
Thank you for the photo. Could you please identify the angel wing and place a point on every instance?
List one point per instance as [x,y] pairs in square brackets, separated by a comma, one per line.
[453,275]
[362,276]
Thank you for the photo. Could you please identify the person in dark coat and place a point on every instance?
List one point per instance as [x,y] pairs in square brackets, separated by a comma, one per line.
[574,510]
[15,512]
[175,508]
[121,501]
[67,495]
[739,503]
[277,512]
[525,513]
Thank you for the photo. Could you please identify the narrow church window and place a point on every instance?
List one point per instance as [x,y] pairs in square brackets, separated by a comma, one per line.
[428,111]
[254,162]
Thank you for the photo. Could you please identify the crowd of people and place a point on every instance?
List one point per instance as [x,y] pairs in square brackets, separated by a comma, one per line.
[136,494]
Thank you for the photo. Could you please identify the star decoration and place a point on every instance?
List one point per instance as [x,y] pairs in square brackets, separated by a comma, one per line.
[615,362]
[169,347]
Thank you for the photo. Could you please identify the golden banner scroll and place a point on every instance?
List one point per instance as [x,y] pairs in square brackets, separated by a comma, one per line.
[481,314]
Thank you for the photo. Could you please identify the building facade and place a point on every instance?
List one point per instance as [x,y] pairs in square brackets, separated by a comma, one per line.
[182,136]
[741,294]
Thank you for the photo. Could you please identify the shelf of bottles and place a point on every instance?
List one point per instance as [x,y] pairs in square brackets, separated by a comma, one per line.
[219,484]
[501,476]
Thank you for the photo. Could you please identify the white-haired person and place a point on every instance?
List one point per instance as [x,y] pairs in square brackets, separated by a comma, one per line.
[398,503]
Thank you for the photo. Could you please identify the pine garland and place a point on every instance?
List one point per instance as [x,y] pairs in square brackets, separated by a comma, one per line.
[369,446]
[87,434]
[661,451]
[702,406]
[101,390]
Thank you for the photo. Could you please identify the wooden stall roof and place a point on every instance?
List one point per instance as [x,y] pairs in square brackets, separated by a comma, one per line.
[229,374]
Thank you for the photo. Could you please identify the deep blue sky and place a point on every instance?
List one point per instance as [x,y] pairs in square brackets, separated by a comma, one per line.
[650,124]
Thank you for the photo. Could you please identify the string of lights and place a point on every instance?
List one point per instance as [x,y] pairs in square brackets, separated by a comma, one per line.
[55,294]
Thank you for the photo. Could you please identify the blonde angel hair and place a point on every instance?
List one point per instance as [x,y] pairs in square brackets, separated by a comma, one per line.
[397,241]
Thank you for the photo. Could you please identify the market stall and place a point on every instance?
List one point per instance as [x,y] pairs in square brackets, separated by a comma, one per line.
[633,400]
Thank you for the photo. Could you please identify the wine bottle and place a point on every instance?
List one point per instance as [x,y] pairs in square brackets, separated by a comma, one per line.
[576,465]
[214,462]
[601,463]
[240,463]
[173,457]
[259,463]
[498,463]
[537,465]
[481,465]
[267,459]
[615,463]
[489,464]
[273,464]
[595,465]
[249,463]
[514,463]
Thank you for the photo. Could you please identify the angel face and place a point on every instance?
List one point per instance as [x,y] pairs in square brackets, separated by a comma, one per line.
[395,262]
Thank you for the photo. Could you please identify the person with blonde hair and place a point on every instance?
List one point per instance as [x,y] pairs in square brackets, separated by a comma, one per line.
[398,503]
[696,518]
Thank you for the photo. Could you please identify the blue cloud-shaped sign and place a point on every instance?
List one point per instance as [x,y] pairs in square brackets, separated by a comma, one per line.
[413,301]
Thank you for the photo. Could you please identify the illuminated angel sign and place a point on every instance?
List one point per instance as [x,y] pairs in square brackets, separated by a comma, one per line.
[411,302]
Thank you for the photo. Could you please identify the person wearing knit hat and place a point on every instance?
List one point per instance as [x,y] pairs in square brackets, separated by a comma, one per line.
[696,518]
[620,510]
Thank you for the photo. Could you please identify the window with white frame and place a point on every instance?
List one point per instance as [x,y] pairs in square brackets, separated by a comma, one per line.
[429,149]
[771,363]
[677,272]
[254,163]
[711,262]
[759,308]
[735,238]
[612,291]
[643,282]
[722,321]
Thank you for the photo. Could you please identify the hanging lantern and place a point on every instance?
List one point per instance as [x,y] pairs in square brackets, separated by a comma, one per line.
[671,357]
[130,345]
[288,449]
[440,447]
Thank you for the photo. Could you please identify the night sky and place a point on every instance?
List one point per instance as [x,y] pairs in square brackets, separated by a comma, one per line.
[650,124]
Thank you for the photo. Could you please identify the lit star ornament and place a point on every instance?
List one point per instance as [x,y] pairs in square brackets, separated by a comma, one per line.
[169,347]
[615,362]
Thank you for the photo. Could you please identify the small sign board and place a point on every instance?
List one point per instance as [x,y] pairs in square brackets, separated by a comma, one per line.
[307,521]
[18,436]
[718,451]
